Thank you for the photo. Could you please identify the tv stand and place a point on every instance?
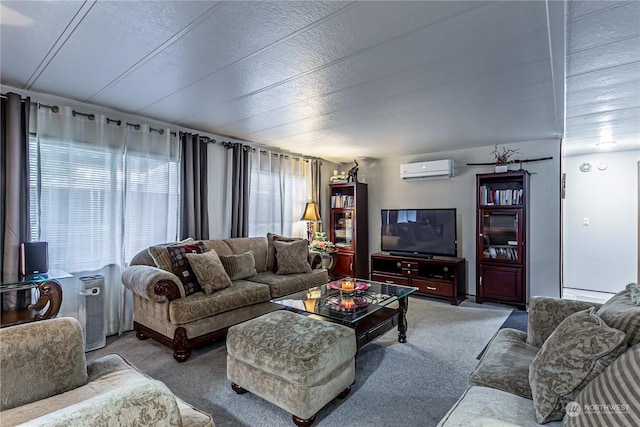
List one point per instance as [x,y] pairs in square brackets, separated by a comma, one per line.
[416,255]
[438,277]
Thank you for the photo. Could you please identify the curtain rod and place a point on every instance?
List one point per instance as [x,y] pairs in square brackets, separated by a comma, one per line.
[274,152]
[203,139]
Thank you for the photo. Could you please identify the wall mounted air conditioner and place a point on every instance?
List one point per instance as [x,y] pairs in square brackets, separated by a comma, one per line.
[438,169]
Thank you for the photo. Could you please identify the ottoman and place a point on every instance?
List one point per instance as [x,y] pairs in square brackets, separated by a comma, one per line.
[297,363]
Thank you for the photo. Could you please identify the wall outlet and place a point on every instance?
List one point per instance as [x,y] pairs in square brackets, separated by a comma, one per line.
[585,221]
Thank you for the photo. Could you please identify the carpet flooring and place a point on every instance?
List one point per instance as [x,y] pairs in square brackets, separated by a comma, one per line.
[411,384]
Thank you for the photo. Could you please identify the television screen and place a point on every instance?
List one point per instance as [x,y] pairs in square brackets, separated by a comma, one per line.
[419,231]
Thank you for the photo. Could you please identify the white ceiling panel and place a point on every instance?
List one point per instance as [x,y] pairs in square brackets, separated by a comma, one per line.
[622,21]
[101,46]
[341,79]
[601,57]
[457,76]
[432,48]
[320,47]
[603,76]
[233,33]
[29,30]
[317,47]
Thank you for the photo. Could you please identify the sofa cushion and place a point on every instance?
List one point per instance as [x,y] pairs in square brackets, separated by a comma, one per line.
[182,268]
[621,313]
[198,306]
[209,270]
[485,406]
[291,257]
[505,363]
[618,385]
[580,348]
[160,254]
[257,245]
[285,285]
[239,266]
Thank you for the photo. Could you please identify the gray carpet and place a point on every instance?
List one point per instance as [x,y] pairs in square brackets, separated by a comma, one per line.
[412,384]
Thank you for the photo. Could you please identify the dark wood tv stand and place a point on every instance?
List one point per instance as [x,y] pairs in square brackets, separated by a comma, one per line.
[438,277]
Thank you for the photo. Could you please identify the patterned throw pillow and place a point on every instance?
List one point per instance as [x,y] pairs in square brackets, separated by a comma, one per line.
[160,254]
[181,267]
[621,313]
[271,254]
[611,399]
[634,289]
[239,266]
[292,257]
[209,271]
[580,348]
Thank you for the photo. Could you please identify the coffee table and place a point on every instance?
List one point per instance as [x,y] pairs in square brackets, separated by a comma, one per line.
[370,308]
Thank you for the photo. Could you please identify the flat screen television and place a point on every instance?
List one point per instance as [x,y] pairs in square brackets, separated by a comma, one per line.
[419,232]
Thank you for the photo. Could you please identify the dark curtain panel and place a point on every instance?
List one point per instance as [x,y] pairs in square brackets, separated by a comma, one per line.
[195,213]
[316,187]
[14,191]
[239,191]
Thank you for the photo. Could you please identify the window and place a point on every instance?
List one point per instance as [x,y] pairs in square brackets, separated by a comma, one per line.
[95,206]
[278,193]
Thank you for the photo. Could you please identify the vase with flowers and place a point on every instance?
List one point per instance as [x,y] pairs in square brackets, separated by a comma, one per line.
[502,157]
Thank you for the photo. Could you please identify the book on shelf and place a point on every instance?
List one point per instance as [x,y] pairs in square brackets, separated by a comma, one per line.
[340,201]
[502,253]
[490,197]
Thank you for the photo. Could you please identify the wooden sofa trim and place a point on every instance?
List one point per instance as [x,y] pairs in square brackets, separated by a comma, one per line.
[180,344]
[168,289]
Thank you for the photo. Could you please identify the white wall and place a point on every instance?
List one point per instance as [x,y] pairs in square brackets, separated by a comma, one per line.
[602,256]
[388,190]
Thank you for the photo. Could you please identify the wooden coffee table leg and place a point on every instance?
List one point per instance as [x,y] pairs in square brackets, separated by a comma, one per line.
[402,319]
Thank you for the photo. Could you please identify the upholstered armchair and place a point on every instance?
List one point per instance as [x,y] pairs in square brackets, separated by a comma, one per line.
[46,381]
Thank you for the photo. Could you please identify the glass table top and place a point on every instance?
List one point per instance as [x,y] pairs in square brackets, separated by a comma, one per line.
[347,306]
[12,280]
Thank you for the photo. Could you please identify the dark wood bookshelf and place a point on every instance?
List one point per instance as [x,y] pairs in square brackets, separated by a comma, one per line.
[501,240]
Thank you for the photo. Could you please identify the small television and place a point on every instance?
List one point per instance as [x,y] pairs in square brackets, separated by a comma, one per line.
[419,232]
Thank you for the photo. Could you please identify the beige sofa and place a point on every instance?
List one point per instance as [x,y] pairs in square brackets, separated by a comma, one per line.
[163,312]
[47,382]
[578,365]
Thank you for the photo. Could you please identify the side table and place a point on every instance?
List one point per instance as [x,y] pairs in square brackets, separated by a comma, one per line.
[14,289]
[331,253]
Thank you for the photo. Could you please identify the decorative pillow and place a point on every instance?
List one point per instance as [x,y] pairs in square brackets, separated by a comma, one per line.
[621,313]
[160,254]
[239,266]
[291,257]
[181,267]
[271,255]
[209,271]
[611,399]
[634,289]
[580,348]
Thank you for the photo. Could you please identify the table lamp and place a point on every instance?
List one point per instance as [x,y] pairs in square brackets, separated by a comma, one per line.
[310,214]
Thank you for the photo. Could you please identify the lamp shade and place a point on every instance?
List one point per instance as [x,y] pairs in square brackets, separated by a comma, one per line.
[310,212]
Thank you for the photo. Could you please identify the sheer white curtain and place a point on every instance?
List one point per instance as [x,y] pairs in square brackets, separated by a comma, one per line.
[102,190]
[152,198]
[279,187]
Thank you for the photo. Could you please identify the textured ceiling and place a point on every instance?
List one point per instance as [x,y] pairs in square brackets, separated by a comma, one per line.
[341,80]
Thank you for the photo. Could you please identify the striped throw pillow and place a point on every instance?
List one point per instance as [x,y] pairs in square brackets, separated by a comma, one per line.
[610,399]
